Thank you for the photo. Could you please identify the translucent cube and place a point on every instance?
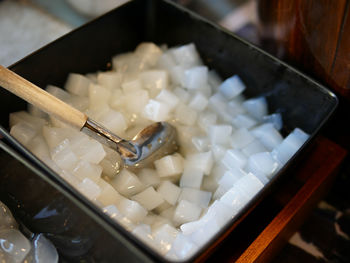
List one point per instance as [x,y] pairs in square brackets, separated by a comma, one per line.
[63,156]
[149,53]
[200,161]
[186,212]
[84,169]
[149,177]
[135,101]
[98,96]
[154,81]
[241,138]
[168,97]
[108,195]
[169,165]
[196,77]
[14,246]
[185,115]
[254,147]
[127,183]
[169,191]
[199,102]
[113,121]
[262,163]
[234,159]
[182,94]
[23,132]
[89,189]
[257,107]
[36,123]
[43,250]
[232,87]
[164,236]
[88,149]
[132,210]
[110,80]
[206,119]
[149,198]
[186,55]
[268,135]
[156,111]
[77,84]
[220,134]
[6,219]
[198,197]
[192,178]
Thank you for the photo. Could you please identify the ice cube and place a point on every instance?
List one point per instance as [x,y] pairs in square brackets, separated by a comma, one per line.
[149,198]
[232,87]
[169,191]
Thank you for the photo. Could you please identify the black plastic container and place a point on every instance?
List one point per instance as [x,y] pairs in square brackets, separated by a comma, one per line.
[45,203]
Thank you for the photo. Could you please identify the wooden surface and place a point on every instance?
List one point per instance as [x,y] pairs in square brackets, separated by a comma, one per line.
[313,35]
[41,99]
[264,232]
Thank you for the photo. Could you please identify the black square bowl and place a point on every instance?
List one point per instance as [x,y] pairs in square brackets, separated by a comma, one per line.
[45,203]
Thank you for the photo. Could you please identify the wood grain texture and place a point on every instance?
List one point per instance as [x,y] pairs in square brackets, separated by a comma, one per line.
[41,99]
[321,169]
[310,34]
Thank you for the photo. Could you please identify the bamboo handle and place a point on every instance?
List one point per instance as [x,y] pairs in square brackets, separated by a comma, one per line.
[40,98]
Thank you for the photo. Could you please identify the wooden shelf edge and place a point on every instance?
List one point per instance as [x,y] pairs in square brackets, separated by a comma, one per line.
[329,156]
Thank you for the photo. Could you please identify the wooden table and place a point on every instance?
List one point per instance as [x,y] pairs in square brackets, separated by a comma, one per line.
[269,226]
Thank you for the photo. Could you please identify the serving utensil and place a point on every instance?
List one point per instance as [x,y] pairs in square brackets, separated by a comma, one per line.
[151,143]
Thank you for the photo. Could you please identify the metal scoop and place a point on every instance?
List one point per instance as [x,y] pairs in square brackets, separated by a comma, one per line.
[151,143]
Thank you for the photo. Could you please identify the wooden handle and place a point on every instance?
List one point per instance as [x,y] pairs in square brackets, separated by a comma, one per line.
[41,99]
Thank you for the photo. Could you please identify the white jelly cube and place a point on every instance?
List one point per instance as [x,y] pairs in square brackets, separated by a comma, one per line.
[117,99]
[89,189]
[262,163]
[14,246]
[232,87]
[241,138]
[23,132]
[168,98]
[275,119]
[108,195]
[196,77]
[164,236]
[257,107]
[191,177]
[135,101]
[206,119]
[85,169]
[185,115]
[149,177]
[169,191]
[182,94]
[110,80]
[36,123]
[200,161]
[186,55]
[254,147]
[132,210]
[186,212]
[199,102]
[154,81]
[98,96]
[127,183]
[201,143]
[268,135]
[77,84]
[113,121]
[149,53]
[116,215]
[63,156]
[195,196]
[88,149]
[234,158]
[149,198]
[220,134]
[156,111]
[169,165]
